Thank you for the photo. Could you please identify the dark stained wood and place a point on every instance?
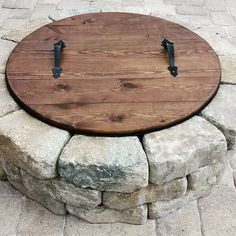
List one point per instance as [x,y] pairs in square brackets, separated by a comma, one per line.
[115,78]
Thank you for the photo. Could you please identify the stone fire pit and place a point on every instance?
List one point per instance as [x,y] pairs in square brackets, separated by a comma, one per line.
[108,179]
[117,179]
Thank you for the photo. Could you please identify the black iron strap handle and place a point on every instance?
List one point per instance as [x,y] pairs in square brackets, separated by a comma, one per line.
[169,46]
[58,48]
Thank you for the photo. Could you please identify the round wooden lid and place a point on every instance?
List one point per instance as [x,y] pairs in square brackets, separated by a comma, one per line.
[114,76]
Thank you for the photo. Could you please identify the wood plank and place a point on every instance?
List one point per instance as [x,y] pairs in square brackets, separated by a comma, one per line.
[115,78]
[103,91]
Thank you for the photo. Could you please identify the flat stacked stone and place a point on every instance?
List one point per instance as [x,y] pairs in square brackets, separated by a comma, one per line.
[222,113]
[104,163]
[30,144]
[109,179]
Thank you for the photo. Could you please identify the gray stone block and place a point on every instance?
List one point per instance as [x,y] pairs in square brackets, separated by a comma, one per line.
[3,176]
[102,214]
[182,149]
[222,112]
[201,178]
[162,208]
[105,163]
[31,144]
[62,191]
[11,170]
[174,189]
[46,200]
[200,184]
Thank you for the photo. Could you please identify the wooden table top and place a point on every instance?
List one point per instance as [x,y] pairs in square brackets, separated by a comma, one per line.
[115,78]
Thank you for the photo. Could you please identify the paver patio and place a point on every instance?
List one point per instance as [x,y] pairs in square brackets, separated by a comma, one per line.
[211,215]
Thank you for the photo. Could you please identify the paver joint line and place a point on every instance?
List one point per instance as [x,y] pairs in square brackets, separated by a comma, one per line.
[150,190]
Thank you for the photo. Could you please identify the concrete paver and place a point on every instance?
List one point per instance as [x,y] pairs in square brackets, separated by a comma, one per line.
[218,212]
[183,222]
[21,216]
[10,209]
[37,220]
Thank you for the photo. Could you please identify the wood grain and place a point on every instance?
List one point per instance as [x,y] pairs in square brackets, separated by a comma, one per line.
[115,78]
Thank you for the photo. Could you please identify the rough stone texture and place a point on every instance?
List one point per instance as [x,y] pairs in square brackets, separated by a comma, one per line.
[222,112]
[232,157]
[62,191]
[204,176]
[202,144]
[228,66]
[102,214]
[31,144]
[200,183]
[227,175]
[234,176]
[162,208]
[105,163]
[10,209]
[36,220]
[183,222]
[233,164]
[2,174]
[44,199]
[218,213]
[174,189]
[10,169]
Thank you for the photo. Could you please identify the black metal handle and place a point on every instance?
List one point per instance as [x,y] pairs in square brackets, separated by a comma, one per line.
[169,46]
[58,48]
